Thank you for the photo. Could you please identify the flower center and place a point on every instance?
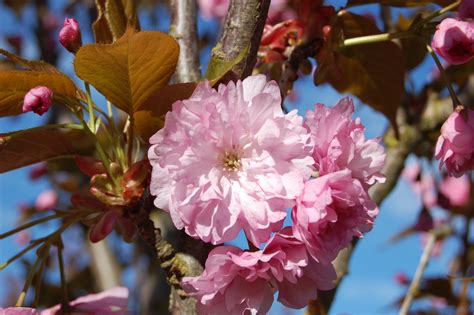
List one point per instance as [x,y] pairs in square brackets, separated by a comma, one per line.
[232,162]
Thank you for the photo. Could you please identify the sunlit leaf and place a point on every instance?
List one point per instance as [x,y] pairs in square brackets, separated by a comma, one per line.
[149,118]
[372,72]
[35,146]
[130,70]
[14,84]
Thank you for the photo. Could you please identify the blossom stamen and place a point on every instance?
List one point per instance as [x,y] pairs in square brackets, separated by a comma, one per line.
[232,162]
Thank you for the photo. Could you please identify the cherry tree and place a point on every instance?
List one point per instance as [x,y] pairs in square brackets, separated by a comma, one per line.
[179,162]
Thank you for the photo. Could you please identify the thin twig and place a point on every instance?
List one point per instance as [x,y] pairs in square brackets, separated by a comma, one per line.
[415,283]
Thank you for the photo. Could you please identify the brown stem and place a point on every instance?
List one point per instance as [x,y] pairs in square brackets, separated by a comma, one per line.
[184,29]
[243,29]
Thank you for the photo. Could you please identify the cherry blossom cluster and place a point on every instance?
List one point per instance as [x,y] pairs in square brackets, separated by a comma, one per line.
[230,160]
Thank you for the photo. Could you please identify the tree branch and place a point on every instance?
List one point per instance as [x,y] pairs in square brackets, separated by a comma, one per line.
[184,29]
[243,30]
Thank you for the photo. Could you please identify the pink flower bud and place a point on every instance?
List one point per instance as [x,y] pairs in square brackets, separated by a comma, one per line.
[46,200]
[454,41]
[38,100]
[70,35]
[466,9]
[455,147]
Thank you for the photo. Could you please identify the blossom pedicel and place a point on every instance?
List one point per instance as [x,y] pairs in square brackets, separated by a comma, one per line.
[70,35]
[38,100]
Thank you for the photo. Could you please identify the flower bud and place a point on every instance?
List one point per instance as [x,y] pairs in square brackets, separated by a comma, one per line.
[70,35]
[454,41]
[38,100]
[455,147]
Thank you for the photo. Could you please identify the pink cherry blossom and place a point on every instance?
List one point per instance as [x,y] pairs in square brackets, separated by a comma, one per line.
[331,210]
[454,41]
[455,146]
[297,276]
[456,190]
[340,143]
[70,35]
[466,9]
[110,302]
[38,100]
[18,311]
[48,199]
[228,160]
[236,281]
[233,282]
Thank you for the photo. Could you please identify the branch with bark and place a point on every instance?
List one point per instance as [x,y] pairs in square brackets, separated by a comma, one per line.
[184,29]
[243,29]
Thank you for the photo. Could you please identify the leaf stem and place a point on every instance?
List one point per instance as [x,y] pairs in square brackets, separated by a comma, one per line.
[21,253]
[453,95]
[437,13]
[40,256]
[91,123]
[65,298]
[39,280]
[130,140]
[370,39]
[30,224]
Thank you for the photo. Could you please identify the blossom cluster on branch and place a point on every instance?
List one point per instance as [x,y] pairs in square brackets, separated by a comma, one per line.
[229,159]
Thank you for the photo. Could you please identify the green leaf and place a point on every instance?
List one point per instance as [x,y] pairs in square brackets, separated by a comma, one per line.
[130,70]
[372,72]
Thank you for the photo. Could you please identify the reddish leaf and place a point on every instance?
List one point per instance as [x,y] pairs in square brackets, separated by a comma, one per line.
[149,117]
[372,72]
[32,147]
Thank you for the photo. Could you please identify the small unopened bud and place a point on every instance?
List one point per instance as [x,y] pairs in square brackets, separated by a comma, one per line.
[70,35]
[38,100]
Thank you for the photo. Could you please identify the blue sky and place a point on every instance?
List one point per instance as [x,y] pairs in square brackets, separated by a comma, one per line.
[368,289]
